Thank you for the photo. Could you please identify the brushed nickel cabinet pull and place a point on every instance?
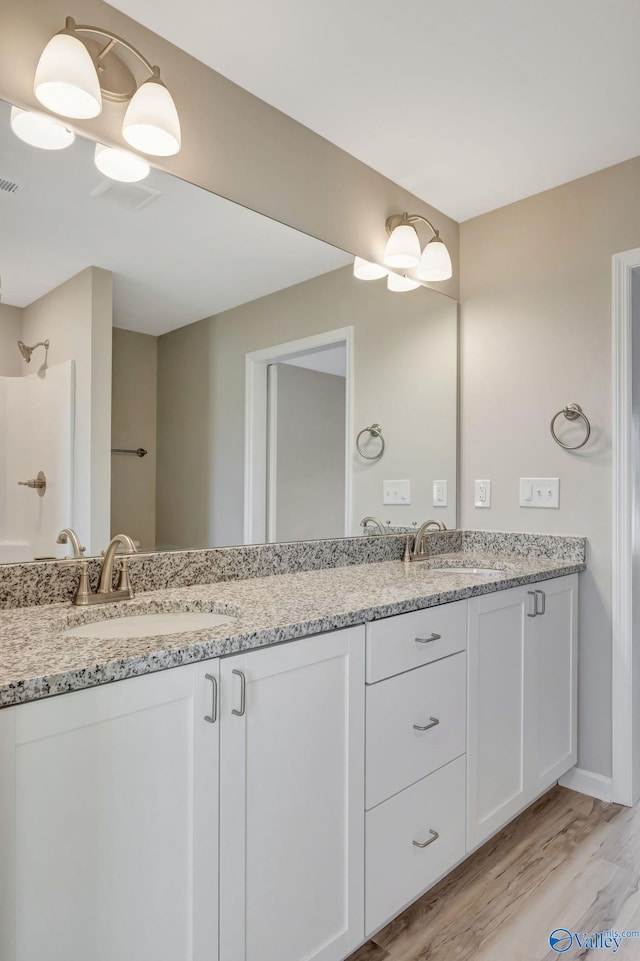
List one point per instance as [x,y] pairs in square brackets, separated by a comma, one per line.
[427,727]
[535,604]
[542,595]
[243,687]
[425,844]
[213,717]
[427,640]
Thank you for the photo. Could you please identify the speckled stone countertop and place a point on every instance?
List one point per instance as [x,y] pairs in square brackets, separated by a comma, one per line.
[37,661]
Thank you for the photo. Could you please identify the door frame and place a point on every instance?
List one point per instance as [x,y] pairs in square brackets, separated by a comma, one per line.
[625,667]
[256,422]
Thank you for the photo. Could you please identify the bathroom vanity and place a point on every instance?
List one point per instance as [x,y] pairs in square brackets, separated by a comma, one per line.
[277,801]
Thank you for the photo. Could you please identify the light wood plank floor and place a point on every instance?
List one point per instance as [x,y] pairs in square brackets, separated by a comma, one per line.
[569,861]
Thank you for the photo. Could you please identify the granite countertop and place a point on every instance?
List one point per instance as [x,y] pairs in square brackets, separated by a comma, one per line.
[36,661]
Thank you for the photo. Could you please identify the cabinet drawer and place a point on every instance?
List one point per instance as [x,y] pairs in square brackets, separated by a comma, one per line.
[397,644]
[397,870]
[398,754]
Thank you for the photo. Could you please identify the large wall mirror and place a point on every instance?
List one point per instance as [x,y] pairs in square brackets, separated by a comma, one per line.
[203,371]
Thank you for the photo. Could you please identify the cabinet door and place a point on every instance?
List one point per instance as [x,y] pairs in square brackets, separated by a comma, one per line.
[553,682]
[109,827]
[292,800]
[496,738]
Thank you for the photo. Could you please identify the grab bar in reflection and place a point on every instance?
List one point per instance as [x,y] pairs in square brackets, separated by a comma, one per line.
[139,452]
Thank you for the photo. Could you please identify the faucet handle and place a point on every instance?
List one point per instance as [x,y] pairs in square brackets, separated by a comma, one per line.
[83,591]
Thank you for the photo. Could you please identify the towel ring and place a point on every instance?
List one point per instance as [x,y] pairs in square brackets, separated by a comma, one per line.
[571,412]
[376,431]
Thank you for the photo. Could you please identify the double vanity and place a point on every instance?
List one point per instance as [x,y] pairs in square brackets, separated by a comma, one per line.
[238,798]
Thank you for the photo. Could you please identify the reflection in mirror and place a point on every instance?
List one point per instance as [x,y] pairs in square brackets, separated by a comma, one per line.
[208,370]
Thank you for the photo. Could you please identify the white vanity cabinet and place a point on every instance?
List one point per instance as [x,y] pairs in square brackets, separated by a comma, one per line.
[522,665]
[292,800]
[109,822]
[416,701]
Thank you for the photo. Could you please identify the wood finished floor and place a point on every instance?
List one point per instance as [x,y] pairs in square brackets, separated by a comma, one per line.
[569,861]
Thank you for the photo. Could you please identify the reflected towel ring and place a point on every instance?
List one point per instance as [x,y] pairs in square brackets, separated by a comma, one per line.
[376,431]
[571,412]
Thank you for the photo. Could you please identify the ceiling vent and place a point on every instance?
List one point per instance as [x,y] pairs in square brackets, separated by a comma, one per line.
[125,196]
[9,186]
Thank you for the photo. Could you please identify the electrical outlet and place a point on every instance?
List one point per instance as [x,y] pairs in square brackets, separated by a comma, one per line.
[540,492]
[440,493]
[396,492]
[482,493]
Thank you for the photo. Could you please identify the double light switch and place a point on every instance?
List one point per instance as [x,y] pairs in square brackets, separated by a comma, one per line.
[540,492]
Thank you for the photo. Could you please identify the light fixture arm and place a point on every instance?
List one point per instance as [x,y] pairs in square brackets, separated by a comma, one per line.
[113,40]
[396,219]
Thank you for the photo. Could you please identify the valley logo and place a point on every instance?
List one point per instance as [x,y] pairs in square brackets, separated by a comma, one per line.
[561,940]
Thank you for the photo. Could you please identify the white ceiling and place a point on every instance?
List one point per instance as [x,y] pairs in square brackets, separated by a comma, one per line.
[186,255]
[469,104]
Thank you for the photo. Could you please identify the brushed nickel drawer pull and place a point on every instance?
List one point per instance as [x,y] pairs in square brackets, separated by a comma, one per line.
[535,604]
[427,640]
[542,595]
[427,727]
[425,844]
[211,718]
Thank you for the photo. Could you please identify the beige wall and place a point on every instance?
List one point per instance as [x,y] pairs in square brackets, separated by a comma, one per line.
[76,318]
[405,378]
[133,425]
[232,143]
[10,333]
[309,444]
[536,335]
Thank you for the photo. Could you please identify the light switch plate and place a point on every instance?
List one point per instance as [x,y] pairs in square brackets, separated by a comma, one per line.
[540,492]
[440,493]
[482,493]
[396,492]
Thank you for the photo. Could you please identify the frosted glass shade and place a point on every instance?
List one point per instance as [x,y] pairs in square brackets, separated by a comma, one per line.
[435,263]
[66,79]
[403,248]
[39,130]
[120,165]
[400,284]
[151,123]
[365,270]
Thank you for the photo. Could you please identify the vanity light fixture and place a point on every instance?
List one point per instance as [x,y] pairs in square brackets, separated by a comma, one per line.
[40,130]
[120,165]
[77,72]
[399,283]
[366,270]
[403,248]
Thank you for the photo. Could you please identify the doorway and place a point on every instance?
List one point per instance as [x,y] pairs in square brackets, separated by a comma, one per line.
[626,527]
[298,426]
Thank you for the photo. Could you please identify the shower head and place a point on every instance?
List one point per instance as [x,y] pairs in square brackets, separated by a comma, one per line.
[27,351]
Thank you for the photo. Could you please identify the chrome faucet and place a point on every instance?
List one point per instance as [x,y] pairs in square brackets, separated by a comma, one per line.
[418,552]
[106,593]
[376,522]
[68,536]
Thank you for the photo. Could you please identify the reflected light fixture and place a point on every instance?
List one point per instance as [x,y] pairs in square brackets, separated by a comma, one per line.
[40,130]
[77,72]
[120,164]
[366,270]
[399,283]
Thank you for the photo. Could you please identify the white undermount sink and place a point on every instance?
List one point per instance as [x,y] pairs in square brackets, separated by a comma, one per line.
[151,624]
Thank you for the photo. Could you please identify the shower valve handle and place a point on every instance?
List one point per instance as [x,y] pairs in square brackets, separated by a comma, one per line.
[38,483]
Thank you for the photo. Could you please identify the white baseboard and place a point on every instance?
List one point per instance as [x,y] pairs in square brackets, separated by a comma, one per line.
[588,782]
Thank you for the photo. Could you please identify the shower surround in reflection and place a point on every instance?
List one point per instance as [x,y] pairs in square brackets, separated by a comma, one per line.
[36,434]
